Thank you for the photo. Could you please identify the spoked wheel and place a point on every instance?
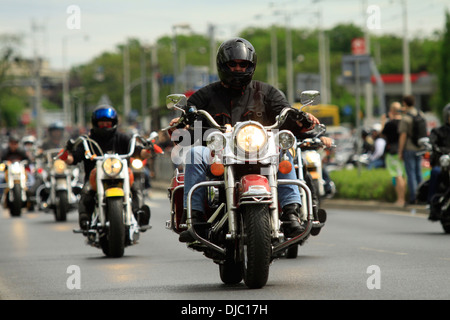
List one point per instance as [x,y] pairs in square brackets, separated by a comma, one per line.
[255,245]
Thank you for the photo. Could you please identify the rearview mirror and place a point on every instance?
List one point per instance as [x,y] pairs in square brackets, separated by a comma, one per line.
[309,97]
[176,101]
[153,135]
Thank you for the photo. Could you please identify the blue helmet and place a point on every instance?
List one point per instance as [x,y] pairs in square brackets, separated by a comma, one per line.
[104,112]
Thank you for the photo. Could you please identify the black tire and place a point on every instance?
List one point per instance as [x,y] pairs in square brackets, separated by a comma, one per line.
[255,245]
[446,226]
[15,206]
[113,244]
[61,206]
[231,272]
[292,252]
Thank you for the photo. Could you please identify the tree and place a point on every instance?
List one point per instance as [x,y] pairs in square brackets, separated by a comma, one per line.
[444,70]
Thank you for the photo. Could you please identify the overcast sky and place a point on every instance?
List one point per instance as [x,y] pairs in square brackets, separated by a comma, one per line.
[91,27]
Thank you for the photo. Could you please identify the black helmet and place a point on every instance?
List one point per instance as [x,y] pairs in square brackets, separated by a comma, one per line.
[236,49]
[104,112]
[446,113]
[56,126]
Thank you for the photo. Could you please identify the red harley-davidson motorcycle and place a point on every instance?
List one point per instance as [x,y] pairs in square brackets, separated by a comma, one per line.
[243,231]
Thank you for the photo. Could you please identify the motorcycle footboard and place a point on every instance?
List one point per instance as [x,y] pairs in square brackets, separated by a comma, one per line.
[191,229]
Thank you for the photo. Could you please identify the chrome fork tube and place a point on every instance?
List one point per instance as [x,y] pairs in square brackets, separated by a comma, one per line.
[273,183]
[229,192]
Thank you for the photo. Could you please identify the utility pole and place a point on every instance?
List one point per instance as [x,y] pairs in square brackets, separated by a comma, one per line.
[37,64]
[289,66]
[155,86]
[126,82]
[406,64]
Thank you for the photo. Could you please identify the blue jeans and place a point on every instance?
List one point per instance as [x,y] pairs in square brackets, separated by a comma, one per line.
[413,168]
[434,182]
[197,166]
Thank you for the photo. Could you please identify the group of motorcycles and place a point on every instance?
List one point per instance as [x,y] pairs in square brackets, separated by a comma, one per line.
[47,183]
[243,233]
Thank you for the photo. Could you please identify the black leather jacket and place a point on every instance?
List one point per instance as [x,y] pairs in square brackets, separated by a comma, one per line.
[117,143]
[440,139]
[258,101]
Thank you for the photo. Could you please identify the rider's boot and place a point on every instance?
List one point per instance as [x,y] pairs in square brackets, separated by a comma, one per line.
[292,225]
[84,220]
[197,218]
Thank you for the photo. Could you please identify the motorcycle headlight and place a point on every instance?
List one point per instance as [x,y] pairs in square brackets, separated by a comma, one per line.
[251,138]
[59,166]
[285,139]
[15,168]
[137,164]
[2,167]
[216,141]
[312,157]
[112,167]
[444,160]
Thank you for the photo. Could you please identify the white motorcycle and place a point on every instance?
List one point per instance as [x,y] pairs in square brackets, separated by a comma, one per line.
[14,195]
[113,225]
[61,186]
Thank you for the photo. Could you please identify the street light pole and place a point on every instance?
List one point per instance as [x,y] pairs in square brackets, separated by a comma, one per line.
[406,65]
[175,53]
[67,110]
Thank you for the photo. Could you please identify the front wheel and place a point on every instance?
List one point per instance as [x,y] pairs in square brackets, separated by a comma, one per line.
[255,245]
[446,226]
[61,206]
[15,206]
[113,243]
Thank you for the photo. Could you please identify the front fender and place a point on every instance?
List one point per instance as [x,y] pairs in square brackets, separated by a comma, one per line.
[254,187]
[114,192]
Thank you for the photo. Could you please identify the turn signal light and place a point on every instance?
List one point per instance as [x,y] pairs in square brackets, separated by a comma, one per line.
[217,169]
[285,166]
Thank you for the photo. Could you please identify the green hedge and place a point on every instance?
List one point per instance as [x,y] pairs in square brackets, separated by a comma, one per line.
[375,184]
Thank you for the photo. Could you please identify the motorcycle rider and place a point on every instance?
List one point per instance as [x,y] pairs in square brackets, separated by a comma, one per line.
[236,97]
[104,122]
[440,141]
[55,136]
[14,152]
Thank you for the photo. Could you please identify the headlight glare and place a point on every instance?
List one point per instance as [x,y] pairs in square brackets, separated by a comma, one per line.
[137,164]
[251,138]
[59,166]
[112,166]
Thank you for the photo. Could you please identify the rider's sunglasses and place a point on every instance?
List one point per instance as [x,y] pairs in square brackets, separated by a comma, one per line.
[104,124]
[233,64]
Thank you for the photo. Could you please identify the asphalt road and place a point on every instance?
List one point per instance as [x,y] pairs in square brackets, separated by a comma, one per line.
[360,254]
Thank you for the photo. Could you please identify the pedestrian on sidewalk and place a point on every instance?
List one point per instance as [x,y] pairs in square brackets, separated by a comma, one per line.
[393,164]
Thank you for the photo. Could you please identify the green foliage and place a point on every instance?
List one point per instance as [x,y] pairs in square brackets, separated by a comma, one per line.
[444,70]
[11,107]
[373,184]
